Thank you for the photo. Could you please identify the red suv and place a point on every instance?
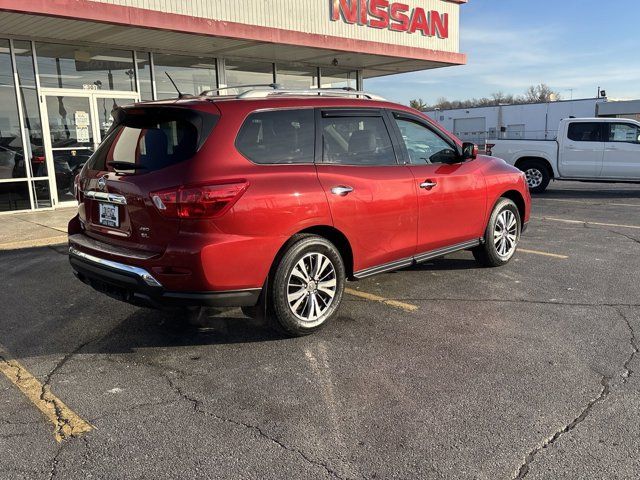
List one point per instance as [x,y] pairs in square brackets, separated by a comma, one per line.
[271,200]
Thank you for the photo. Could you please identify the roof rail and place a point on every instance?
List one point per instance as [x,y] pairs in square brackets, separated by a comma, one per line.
[273,86]
[331,92]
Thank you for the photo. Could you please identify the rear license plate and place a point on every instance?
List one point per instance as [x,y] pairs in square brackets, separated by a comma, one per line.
[109,215]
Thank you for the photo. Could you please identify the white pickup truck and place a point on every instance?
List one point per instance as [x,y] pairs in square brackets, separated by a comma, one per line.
[586,149]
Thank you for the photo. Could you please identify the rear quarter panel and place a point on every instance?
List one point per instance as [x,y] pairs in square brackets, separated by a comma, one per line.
[281,200]
[513,150]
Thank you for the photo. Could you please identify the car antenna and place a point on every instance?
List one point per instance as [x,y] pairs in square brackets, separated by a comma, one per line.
[180,94]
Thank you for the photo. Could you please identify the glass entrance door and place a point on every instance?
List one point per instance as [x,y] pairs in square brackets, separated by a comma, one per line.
[77,122]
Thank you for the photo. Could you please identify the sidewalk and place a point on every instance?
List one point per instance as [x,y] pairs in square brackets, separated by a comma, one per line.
[34,229]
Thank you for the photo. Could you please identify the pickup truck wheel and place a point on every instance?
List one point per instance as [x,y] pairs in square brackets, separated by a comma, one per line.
[501,236]
[307,285]
[537,174]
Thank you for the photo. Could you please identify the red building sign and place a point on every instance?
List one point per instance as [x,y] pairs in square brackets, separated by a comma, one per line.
[395,16]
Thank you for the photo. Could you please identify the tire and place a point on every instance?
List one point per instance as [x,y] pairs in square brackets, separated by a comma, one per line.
[301,299]
[496,252]
[538,176]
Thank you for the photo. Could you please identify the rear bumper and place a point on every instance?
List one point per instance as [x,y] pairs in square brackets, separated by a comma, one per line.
[137,286]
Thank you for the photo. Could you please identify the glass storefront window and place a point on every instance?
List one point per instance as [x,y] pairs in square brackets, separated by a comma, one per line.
[12,159]
[244,72]
[69,66]
[14,196]
[193,75]
[334,78]
[144,76]
[292,76]
[42,194]
[30,107]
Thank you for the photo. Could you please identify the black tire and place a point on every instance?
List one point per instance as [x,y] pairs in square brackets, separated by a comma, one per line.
[284,282]
[538,175]
[488,254]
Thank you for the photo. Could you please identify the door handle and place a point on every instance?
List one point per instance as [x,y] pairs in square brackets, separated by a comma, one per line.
[342,190]
[428,185]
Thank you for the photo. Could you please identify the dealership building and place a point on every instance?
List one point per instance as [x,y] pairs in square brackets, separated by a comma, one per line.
[65,64]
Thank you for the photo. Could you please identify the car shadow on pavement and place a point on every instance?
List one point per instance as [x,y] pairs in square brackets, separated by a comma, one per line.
[166,329]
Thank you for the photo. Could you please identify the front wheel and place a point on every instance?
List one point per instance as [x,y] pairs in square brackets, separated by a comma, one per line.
[501,236]
[307,285]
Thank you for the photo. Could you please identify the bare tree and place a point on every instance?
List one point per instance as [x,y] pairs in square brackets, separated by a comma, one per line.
[534,94]
[541,93]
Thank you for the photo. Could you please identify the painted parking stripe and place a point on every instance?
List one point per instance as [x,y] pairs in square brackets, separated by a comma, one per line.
[67,424]
[583,222]
[544,254]
[407,307]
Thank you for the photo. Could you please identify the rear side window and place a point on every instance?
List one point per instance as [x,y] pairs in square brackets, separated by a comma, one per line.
[152,139]
[355,140]
[278,137]
[585,132]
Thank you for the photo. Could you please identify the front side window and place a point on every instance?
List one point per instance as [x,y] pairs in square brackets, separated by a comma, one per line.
[278,137]
[624,132]
[585,132]
[424,146]
[355,140]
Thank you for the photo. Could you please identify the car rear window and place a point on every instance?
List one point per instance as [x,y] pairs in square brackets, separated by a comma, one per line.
[278,136]
[152,139]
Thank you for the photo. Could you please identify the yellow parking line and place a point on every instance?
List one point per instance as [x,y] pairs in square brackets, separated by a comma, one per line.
[407,307]
[41,242]
[546,254]
[582,222]
[67,424]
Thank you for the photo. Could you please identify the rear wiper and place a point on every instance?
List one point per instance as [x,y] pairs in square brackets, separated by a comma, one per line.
[125,166]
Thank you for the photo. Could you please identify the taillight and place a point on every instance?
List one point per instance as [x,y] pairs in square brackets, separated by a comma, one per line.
[489,148]
[198,201]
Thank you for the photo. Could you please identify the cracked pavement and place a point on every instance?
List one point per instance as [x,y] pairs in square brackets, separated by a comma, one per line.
[528,371]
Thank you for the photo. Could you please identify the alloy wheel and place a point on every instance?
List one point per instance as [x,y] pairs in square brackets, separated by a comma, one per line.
[311,287]
[505,234]
[534,177]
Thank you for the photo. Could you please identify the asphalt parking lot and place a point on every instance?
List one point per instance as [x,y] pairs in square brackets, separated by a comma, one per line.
[445,370]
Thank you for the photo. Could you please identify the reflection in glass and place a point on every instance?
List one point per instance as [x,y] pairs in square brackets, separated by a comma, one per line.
[30,107]
[69,122]
[334,78]
[243,72]
[294,76]
[144,76]
[193,75]
[14,196]
[42,194]
[67,164]
[105,108]
[69,66]
[12,161]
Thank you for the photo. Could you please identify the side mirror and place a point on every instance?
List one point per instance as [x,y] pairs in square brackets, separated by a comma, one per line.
[469,151]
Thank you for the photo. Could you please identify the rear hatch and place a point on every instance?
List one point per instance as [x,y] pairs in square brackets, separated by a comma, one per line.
[148,149]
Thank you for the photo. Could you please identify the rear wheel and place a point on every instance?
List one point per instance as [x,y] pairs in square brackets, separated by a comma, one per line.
[537,173]
[501,236]
[307,285]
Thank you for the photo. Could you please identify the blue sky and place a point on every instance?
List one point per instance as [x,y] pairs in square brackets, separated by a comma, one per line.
[511,44]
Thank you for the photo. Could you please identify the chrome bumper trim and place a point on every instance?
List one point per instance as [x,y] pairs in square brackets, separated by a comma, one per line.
[106,197]
[139,272]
